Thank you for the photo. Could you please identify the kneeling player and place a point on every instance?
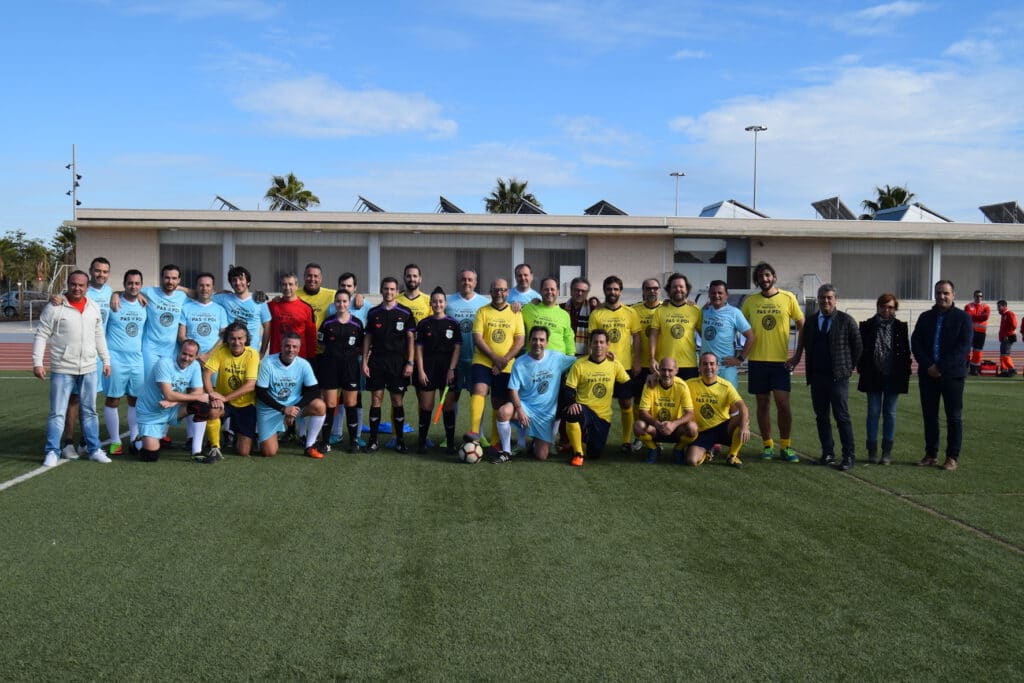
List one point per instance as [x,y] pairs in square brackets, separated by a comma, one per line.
[587,396]
[722,416]
[235,365]
[533,394]
[285,389]
[173,389]
[666,413]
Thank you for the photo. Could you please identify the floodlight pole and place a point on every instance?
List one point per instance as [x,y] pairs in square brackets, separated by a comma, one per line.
[755,130]
[677,175]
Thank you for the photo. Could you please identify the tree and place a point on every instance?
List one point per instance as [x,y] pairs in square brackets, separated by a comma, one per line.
[24,260]
[889,197]
[508,198]
[64,243]
[292,189]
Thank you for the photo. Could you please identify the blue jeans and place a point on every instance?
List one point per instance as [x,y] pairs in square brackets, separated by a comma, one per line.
[882,403]
[61,387]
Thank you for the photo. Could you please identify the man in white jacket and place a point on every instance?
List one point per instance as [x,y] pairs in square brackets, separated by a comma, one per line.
[74,330]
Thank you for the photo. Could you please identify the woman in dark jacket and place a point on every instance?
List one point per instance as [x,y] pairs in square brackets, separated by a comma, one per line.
[884,369]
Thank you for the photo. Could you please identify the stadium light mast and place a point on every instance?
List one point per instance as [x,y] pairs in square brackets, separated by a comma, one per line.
[73,192]
[755,130]
[677,175]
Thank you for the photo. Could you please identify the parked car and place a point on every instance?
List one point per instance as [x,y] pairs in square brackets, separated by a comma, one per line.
[14,304]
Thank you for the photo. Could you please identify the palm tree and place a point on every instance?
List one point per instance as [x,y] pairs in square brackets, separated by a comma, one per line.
[291,189]
[888,197]
[63,244]
[508,198]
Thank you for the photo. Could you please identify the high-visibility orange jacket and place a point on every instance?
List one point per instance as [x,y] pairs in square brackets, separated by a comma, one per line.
[979,315]
[1007,324]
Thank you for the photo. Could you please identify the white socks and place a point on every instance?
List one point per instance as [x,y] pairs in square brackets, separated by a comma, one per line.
[505,436]
[314,423]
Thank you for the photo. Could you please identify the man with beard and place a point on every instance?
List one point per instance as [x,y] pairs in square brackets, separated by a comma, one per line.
[623,327]
[412,298]
[674,327]
[236,366]
[240,305]
[770,312]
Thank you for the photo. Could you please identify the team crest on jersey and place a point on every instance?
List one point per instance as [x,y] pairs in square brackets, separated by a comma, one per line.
[351,341]
[166,319]
[203,329]
[664,414]
[677,331]
[769,322]
[614,335]
[466,326]
[449,333]
[399,325]
[543,387]
[131,329]
[710,333]
[707,411]
[498,336]
[234,381]
[600,391]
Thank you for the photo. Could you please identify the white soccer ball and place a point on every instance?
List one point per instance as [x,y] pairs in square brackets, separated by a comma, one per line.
[471,452]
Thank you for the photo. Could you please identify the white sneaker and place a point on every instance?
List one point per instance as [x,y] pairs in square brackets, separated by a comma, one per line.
[69,452]
[99,456]
[51,459]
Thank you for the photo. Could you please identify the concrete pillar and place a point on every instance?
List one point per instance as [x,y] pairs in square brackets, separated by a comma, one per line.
[936,270]
[518,256]
[373,263]
[227,256]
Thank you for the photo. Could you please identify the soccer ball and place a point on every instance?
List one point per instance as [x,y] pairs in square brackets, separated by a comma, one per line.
[471,452]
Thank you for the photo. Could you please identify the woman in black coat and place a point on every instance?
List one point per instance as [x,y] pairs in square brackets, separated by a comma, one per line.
[884,369]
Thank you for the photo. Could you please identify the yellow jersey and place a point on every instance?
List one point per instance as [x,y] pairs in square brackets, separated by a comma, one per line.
[711,403]
[620,324]
[420,306]
[646,315]
[677,327]
[234,371]
[499,328]
[769,317]
[666,404]
[319,302]
[595,382]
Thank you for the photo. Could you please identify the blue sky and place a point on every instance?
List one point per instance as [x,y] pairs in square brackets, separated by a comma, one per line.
[172,103]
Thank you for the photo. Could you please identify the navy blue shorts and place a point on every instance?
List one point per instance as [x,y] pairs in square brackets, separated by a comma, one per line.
[481,374]
[243,420]
[595,431]
[717,434]
[764,377]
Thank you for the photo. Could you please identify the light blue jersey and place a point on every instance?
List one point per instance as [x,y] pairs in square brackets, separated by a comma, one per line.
[464,312]
[102,298]
[718,331]
[163,314]
[124,341]
[537,382]
[285,382]
[203,323]
[248,312]
[517,297]
[166,371]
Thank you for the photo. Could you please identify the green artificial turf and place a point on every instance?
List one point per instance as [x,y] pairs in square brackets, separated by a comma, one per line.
[391,566]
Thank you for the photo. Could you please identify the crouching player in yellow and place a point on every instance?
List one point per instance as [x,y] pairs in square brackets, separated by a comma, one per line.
[587,397]
[666,413]
[722,416]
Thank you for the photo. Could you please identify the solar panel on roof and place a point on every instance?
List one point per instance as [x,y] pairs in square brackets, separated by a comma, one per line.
[1007,212]
[833,208]
[364,205]
[447,207]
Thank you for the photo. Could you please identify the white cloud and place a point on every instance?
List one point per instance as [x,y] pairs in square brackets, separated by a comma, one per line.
[892,10]
[254,10]
[315,107]
[689,54]
[940,131]
[974,50]
[878,19]
[464,176]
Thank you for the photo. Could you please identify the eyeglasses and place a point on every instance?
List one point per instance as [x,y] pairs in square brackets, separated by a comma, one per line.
[499,290]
